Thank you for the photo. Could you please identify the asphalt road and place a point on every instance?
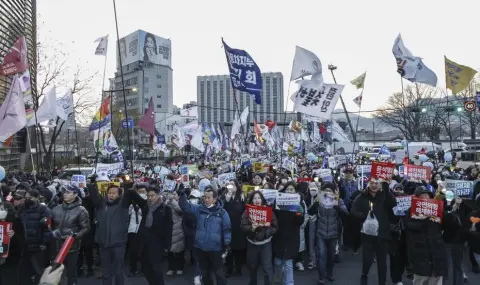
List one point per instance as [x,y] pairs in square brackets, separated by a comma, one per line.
[347,272]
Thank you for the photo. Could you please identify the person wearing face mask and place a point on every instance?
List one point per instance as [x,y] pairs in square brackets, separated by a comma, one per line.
[259,236]
[133,243]
[190,227]
[425,246]
[397,245]
[328,230]
[36,219]
[155,234]
[176,254]
[286,242]
[213,234]
[234,204]
[312,225]
[70,218]
[372,209]
[347,186]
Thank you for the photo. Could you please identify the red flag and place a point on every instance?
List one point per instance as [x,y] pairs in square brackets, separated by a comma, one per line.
[323,130]
[16,60]
[147,122]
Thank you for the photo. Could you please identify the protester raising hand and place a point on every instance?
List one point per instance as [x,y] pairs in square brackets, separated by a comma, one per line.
[50,277]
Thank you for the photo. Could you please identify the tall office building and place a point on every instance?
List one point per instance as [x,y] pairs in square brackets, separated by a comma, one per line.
[147,72]
[18,18]
[216,103]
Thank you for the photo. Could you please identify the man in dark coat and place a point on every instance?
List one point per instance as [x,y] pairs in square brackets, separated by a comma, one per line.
[70,218]
[374,203]
[155,234]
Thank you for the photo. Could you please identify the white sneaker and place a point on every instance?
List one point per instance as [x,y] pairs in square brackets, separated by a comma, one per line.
[197,281]
[169,272]
[179,272]
[399,283]
[299,266]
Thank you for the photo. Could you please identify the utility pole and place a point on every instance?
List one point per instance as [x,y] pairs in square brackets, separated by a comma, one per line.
[350,126]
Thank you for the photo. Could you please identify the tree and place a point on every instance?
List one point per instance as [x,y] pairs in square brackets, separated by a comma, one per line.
[53,70]
[467,120]
[408,111]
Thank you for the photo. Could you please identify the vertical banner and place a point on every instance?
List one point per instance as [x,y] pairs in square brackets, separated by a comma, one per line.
[5,227]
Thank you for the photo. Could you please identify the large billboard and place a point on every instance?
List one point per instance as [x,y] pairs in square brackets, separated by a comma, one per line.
[146,47]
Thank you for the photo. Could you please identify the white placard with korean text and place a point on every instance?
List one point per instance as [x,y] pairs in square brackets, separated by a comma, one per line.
[317,99]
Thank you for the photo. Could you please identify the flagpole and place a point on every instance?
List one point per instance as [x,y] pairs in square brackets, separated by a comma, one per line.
[76,140]
[111,115]
[404,116]
[31,155]
[123,87]
[285,121]
[358,120]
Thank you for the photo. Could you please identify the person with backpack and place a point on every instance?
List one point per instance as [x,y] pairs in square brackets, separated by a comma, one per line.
[213,235]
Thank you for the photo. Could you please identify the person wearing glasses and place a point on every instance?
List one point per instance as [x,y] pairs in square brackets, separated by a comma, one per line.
[70,218]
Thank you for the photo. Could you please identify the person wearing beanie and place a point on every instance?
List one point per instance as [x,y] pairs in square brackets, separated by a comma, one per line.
[425,246]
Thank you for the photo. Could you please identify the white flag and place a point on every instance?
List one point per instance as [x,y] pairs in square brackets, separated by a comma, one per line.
[412,67]
[47,110]
[12,112]
[189,113]
[318,101]
[338,133]
[65,106]
[102,46]
[358,100]
[306,63]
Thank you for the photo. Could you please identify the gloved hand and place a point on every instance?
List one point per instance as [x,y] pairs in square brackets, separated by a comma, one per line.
[50,277]
[57,234]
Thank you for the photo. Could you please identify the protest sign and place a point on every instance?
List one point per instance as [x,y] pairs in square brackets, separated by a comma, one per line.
[403,204]
[108,169]
[382,171]
[185,179]
[79,181]
[427,208]
[246,189]
[5,227]
[169,185]
[225,177]
[259,167]
[308,179]
[259,214]
[317,99]
[364,170]
[269,195]
[288,202]
[417,173]
[103,187]
[461,188]
[327,199]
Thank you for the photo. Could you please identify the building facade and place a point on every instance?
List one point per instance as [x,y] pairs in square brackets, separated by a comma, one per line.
[17,18]
[216,103]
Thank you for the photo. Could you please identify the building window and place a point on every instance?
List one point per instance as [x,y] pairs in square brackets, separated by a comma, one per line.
[159,85]
[146,90]
[159,106]
[147,100]
[145,79]
[159,96]
[159,76]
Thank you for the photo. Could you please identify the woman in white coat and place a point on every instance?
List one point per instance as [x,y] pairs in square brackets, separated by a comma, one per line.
[133,243]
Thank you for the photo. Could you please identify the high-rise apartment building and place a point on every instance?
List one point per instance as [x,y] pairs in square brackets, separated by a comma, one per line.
[147,73]
[216,103]
[18,18]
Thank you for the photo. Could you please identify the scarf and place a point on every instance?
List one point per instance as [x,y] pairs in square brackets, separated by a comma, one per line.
[151,209]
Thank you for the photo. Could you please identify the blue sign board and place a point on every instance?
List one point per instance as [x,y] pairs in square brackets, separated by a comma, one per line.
[130,123]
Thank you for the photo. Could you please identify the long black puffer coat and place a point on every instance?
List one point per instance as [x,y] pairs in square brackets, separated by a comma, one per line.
[426,249]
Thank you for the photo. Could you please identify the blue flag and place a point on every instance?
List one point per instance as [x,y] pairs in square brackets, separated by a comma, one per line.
[244,72]
[384,150]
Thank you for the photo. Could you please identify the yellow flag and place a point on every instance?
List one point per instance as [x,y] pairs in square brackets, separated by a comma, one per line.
[359,81]
[458,76]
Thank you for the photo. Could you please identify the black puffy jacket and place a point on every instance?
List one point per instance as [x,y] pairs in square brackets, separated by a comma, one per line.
[71,218]
[33,218]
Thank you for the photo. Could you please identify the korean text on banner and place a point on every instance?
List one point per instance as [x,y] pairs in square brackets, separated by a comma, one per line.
[269,195]
[403,204]
[5,227]
[288,202]
[103,187]
[259,214]
[317,100]
[79,181]
[225,177]
[382,171]
[461,188]
[107,169]
[246,189]
[417,173]
[169,185]
[427,209]
[364,170]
